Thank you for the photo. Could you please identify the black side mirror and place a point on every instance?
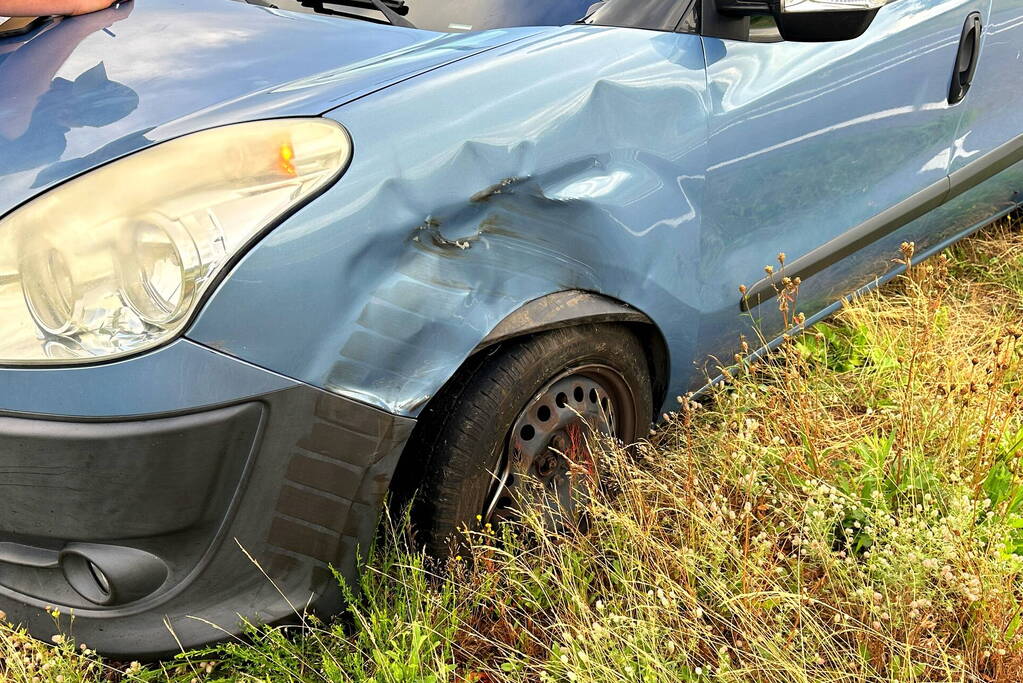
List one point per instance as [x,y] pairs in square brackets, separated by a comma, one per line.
[820,27]
[808,21]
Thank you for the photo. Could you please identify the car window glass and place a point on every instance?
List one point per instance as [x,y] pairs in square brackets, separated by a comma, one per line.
[763,29]
[659,15]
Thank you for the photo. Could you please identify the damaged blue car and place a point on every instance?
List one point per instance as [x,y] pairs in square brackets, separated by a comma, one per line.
[265,264]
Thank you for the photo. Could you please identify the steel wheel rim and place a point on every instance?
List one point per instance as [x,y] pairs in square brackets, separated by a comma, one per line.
[547,460]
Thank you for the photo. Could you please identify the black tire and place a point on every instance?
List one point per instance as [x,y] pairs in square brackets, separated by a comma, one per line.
[465,429]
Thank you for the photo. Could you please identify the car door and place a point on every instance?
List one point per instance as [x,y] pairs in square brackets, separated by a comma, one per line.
[809,142]
[989,138]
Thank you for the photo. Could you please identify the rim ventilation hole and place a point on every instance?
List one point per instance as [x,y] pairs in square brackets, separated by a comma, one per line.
[543,413]
[593,395]
[604,403]
[527,432]
[562,399]
[579,394]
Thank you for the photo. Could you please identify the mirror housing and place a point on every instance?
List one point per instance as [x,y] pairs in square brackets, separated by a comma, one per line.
[824,27]
[809,21]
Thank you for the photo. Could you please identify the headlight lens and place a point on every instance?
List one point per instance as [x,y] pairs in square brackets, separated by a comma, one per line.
[116,260]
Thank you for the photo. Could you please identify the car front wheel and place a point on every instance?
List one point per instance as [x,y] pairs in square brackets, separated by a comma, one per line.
[514,429]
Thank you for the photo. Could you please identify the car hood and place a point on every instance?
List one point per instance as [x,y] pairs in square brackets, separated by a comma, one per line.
[81,91]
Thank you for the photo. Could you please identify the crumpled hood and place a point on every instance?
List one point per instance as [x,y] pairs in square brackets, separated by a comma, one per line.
[84,90]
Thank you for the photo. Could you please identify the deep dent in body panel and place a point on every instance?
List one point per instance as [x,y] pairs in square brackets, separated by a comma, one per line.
[431,274]
[521,223]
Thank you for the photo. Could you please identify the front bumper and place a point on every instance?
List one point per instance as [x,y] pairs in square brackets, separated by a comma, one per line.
[165,497]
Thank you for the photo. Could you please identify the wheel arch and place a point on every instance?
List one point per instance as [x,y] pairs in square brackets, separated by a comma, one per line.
[561,309]
[568,308]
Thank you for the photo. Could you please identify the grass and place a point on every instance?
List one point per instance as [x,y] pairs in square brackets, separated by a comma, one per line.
[850,508]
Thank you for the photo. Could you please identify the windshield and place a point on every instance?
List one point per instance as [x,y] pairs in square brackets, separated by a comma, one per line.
[451,15]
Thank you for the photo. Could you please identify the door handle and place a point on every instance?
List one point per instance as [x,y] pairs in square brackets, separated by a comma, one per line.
[966,58]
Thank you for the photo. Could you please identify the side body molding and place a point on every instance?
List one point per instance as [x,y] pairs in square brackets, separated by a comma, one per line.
[890,220]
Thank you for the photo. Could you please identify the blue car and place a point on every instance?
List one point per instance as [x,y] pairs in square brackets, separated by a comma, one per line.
[264,265]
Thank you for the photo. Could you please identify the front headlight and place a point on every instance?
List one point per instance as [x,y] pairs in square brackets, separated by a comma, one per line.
[116,260]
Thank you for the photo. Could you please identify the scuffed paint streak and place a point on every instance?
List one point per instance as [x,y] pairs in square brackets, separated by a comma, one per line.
[430,230]
[495,189]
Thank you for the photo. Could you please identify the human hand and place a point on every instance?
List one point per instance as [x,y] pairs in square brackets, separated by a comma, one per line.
[41,8]
[87,6]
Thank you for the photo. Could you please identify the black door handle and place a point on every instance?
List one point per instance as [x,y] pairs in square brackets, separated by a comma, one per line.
[966,59]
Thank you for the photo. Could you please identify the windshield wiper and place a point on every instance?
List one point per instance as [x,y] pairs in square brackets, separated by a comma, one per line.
[391,9]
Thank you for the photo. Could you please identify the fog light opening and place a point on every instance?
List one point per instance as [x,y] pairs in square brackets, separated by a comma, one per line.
[86,578]
[111,575]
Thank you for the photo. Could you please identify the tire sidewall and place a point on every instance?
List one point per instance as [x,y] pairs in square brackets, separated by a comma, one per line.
[551,353]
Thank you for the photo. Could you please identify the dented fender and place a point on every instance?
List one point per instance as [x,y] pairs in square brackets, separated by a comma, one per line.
[475,189]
